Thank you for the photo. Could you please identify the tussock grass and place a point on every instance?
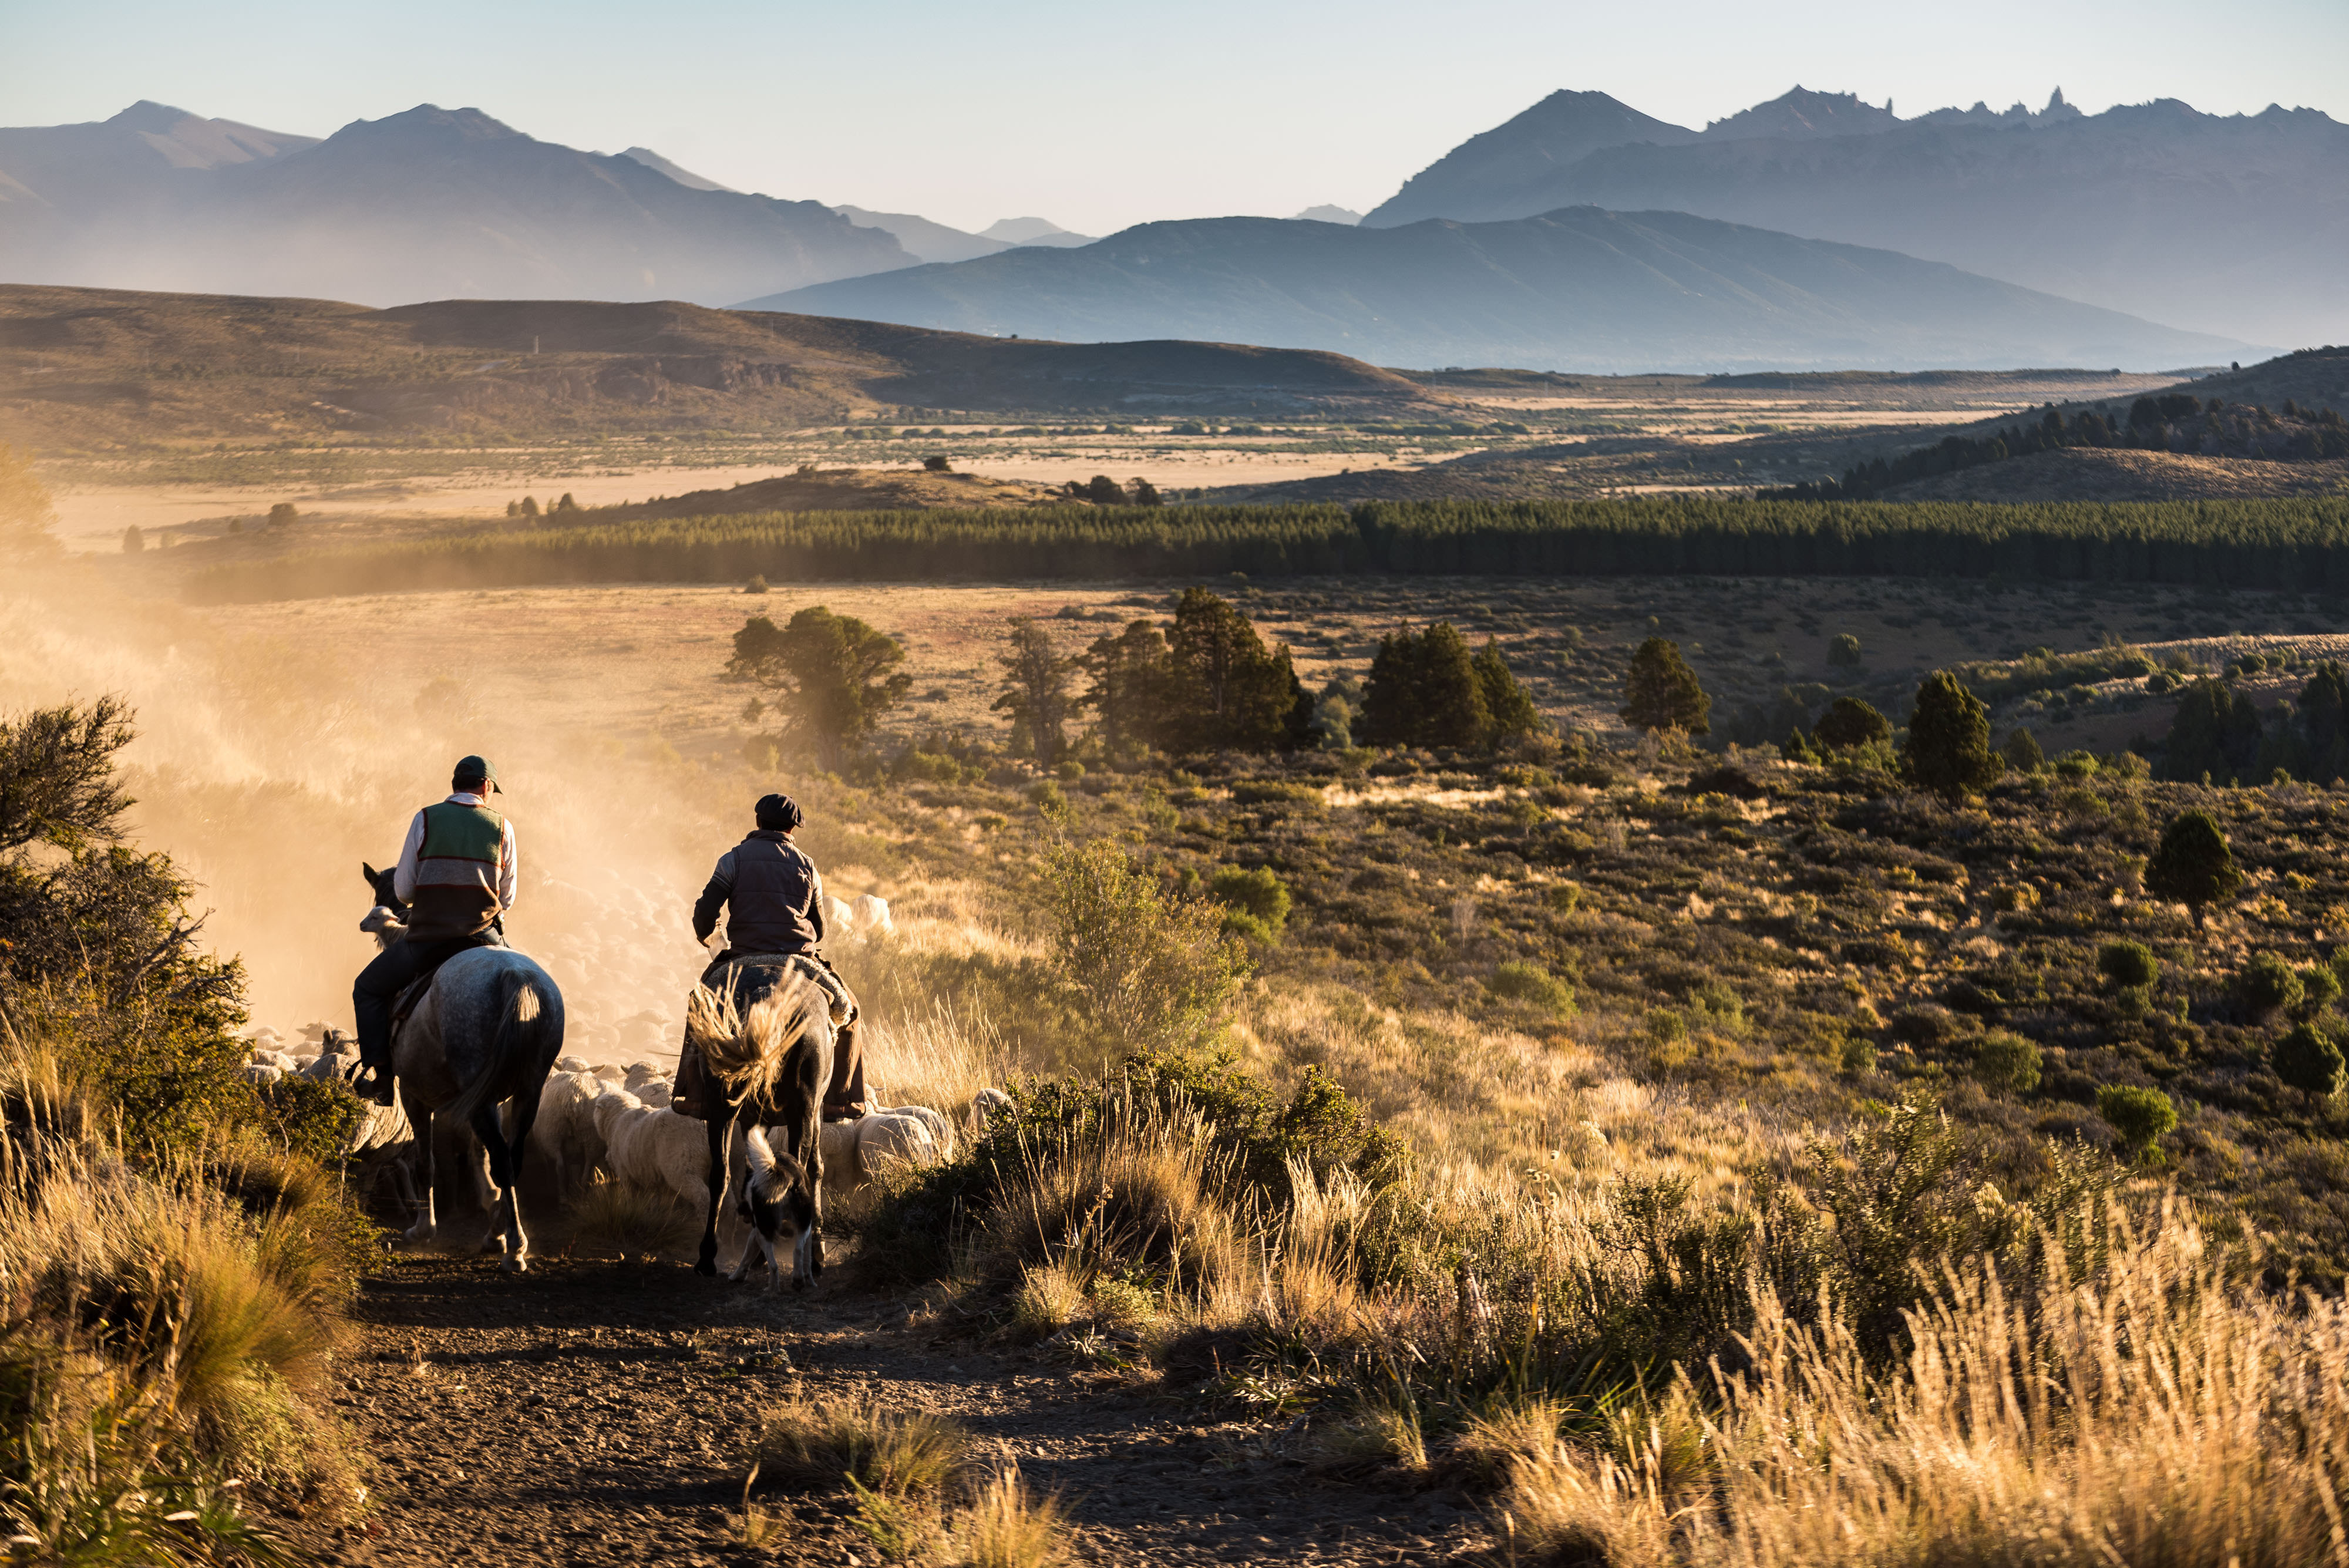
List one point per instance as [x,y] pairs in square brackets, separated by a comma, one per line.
[821,1442]
[1006,1525]
[626,1221]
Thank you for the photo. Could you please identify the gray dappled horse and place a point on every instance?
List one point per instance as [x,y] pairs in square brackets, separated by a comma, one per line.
[765,1033]
[486,1032]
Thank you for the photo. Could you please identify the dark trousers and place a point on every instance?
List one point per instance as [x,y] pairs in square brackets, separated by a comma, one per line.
[393,971]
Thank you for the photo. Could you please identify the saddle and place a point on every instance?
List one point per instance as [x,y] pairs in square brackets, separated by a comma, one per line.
[408,1001]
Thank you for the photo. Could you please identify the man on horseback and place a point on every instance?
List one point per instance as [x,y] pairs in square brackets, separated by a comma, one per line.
[457,873]
[774,897]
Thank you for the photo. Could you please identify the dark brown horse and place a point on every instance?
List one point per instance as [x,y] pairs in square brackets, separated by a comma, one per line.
[765,1033]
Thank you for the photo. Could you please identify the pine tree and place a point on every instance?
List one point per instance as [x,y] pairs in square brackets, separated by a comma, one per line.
[2217,732]
[1948,749]
[2023,752]
[1424,690]
[1230,691]
[2193,866]
[1510,709]
[836,676]
[1132,689]
[1035,693]
[1661,692]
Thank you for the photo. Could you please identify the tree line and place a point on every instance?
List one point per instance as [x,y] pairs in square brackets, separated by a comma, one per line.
[2294,542]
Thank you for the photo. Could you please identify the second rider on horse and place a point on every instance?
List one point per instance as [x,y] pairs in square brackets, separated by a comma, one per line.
[774,897]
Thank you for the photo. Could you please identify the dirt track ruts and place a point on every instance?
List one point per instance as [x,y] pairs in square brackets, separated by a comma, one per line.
[593,1413]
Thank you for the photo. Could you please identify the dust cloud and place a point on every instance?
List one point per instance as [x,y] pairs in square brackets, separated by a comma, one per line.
[268,765]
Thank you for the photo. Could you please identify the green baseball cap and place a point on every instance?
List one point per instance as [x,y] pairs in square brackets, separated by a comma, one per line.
[475,768]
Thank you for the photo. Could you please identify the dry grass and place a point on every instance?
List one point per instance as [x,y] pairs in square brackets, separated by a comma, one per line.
[2155,1418]
[1007,1526]
[822,1442]
[619,1219]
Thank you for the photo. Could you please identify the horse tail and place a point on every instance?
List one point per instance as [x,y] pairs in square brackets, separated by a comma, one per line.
[522,1019]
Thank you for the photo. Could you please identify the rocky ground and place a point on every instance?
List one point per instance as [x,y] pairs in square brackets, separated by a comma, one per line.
[596,1413]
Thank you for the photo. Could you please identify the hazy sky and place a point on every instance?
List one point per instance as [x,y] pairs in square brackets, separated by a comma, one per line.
[1103,114]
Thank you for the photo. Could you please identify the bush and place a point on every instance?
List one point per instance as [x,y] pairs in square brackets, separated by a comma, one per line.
[2008,1061]
[2193,866]
[1257,899]
[2268,985]
[1147,968]
[2309,1059]
[1521,980]
[2141,1117]
[2128,964]
[1844,651]
[2320,988]
[2023,752]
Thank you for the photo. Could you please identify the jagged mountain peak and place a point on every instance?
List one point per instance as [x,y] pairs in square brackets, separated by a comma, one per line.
[1803,114]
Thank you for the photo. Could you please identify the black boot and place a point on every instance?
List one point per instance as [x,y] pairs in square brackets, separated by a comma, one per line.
[374,1084]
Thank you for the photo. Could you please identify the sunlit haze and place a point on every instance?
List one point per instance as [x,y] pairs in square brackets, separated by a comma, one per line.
[1098,117]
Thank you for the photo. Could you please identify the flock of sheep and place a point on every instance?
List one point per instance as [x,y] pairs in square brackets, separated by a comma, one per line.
[615,1122]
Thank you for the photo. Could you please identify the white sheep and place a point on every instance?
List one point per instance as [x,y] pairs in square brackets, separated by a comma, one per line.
[858,1152]
[985,1108]
[871,915]
[839,920]
[565,1135]
[656,1093]
[640,1073]
[573,1064]
[610,1074]
[654,1149]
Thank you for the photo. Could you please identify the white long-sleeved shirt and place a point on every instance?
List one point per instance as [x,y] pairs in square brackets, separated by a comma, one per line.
[403,875]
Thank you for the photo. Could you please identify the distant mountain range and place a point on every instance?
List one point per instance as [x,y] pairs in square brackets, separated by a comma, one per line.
[1586,242]
[2235,225]
[1582,287]
[427,204]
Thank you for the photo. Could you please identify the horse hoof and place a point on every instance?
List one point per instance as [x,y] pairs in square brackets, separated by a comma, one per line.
[707,1270]
[516,1264]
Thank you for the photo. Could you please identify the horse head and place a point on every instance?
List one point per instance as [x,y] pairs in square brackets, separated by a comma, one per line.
[778,1201]
[388,918]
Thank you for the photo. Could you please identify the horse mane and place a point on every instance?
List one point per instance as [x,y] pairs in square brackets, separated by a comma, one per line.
[744,1045]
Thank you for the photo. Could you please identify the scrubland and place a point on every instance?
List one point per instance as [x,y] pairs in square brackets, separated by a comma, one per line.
[1682,1156]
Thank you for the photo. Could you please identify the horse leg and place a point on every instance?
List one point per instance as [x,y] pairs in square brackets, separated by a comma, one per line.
[706,1264]
[502,1145]
[420,1121]
[807,1132]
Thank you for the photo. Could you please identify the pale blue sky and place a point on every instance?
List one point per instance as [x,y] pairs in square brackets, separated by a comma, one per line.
[1101,115]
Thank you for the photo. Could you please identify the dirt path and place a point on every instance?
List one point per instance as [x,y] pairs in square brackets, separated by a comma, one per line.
[591,1413]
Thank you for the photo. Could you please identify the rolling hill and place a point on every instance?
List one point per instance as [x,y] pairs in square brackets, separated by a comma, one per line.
[96,370]
[2231,224]
[429,203]
[1582,288]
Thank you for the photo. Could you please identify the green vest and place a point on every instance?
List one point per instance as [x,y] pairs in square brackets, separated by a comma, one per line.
[457,872]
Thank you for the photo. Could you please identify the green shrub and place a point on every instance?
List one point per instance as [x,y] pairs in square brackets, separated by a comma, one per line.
[2268,985]
[2007,1061]
[1147,969]
[2320,988]
[2127,963]
[2309,1059]
[1522,981]
[2141,1117]
[1256,900]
